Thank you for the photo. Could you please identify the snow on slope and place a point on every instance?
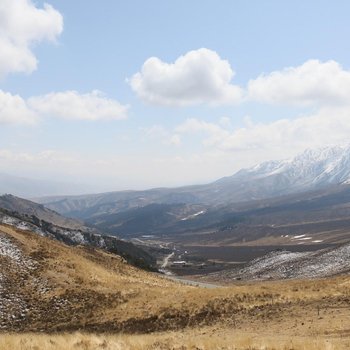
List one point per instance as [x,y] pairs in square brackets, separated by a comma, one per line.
[311,168]
[9,250]
[285,264]
[75,236]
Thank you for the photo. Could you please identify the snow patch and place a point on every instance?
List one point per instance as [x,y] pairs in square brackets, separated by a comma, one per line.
[9,250]
[296,237]
[193,215]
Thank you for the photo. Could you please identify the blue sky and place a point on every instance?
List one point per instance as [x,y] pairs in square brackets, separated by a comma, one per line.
[189,91]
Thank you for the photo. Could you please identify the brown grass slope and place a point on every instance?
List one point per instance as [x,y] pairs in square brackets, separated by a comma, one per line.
[47,286]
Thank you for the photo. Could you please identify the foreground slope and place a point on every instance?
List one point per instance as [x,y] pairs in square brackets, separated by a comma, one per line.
[33,217]
[47,286]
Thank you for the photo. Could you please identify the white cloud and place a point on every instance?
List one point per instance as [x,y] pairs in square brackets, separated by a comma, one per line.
[312,83]
[175,140]
[329,125]
[214,131]
[23,25]
[198,77]
[14,110]
[160,133]
[225,122]
[69,105]
[155,131]
[280,138]
[74,106]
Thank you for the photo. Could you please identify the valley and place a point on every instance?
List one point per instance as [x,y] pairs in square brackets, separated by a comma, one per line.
[174,175]
[157,268]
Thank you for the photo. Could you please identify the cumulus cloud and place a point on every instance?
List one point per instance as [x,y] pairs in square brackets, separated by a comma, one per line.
[312,83]
[22,25]
[69,105]
[74,106]
[14,110]
[198,77]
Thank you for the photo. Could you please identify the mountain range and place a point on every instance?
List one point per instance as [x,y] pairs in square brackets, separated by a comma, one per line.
[313,169]
[304,193]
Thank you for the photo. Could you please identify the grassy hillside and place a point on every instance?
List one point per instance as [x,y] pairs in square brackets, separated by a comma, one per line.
[49,287]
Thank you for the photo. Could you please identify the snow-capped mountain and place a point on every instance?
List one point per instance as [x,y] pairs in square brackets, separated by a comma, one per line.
[313,169]
[327,164]
[309,170]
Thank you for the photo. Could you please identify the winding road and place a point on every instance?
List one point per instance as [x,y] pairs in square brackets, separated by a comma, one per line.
[166,260]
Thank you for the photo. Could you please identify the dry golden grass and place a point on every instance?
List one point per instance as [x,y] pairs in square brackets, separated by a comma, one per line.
[205,339]
[101,293]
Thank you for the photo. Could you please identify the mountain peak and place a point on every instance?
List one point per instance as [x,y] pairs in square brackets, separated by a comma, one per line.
[328,165]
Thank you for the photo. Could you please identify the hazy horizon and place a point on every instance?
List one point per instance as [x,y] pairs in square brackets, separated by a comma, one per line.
[139,95]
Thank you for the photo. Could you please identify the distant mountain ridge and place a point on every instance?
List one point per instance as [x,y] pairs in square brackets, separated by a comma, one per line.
[307,192]
[311,170]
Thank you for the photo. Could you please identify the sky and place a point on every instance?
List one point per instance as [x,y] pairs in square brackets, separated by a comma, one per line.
[138,94]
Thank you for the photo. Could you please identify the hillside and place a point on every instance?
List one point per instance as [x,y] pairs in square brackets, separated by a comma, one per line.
[44,283]
[283,264]
[47,286]
[75,236]
[29,208]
